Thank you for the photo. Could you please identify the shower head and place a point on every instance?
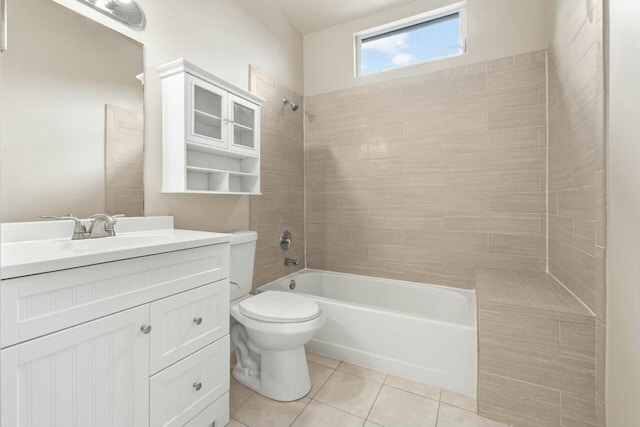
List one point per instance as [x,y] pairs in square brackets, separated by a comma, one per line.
[294,107]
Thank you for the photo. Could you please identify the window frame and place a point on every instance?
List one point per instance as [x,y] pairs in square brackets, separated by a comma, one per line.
[460,8]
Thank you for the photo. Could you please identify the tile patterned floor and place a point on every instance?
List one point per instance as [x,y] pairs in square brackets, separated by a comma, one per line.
[346,395]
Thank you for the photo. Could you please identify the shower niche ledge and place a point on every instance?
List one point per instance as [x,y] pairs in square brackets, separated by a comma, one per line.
[210,135]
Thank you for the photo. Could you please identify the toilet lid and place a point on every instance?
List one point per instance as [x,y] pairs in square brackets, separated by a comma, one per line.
[282,307]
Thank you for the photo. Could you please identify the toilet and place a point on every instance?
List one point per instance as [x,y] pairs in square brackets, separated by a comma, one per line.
[269,330]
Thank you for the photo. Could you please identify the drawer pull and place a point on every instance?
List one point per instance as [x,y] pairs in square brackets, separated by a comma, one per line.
[197,320]
[197,385]
[145,329]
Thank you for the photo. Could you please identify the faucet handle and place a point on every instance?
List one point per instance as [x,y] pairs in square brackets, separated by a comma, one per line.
[59,218]
[79,231]
[107,222]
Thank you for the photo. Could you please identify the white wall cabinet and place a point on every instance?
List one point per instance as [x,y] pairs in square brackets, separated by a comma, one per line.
[139,342]
[211,133]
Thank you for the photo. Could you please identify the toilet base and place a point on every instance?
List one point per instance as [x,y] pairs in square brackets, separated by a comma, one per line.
[283,376]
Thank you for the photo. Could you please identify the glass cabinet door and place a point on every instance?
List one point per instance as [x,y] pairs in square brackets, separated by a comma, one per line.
[208,112]
[244,124]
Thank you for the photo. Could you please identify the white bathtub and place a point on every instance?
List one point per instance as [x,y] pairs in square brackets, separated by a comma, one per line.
[425,333]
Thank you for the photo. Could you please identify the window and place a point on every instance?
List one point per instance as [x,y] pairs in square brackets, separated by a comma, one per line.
[435,35]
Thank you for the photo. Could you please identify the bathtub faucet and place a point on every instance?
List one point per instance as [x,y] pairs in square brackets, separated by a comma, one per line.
[291,261]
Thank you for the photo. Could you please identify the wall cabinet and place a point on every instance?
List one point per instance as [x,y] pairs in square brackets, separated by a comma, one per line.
[211,133]
[130,343]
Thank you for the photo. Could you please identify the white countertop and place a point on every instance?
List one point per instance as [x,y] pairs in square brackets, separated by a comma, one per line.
[24,252]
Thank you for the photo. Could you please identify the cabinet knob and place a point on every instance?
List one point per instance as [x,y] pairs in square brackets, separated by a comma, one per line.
[145,329]
[197,320]
[197,385]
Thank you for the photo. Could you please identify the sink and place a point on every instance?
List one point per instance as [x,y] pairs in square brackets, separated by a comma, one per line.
[113,243]
[26,256]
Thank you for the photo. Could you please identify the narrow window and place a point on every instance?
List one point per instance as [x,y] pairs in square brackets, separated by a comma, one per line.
[435,35]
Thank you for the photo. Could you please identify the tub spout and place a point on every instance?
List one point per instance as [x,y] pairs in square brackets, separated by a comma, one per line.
[239,340]
[291,261]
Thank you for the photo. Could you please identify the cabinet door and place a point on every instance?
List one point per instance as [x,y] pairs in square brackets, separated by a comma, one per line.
[207,113]
[244,133]
[95,374]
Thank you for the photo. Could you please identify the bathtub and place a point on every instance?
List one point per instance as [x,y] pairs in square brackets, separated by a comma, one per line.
[424,333]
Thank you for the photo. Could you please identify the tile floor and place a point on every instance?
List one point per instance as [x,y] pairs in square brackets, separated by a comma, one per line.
[345,395]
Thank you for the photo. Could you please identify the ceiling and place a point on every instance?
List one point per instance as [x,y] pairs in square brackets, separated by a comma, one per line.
[313,15]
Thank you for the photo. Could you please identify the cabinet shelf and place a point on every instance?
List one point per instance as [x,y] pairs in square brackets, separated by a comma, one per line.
[211,170]
[242,127]
[212,116]
[207,149]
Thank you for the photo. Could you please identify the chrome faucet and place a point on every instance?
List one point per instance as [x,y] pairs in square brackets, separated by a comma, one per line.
[291,261]
[102,225]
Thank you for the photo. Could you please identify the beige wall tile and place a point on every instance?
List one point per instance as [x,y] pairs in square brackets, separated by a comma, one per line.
[519,331]
[426,167]
[281,205]
[518,244]
[533,366]
[520,117]
[517,202]
[519,401]
[578,410]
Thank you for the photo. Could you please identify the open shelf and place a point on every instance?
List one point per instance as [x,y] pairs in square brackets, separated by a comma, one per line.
[206,149]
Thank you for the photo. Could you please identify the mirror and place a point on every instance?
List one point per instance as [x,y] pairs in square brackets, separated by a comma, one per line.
[71,121]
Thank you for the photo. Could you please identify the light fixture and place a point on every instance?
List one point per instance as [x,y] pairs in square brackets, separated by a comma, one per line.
[126,11]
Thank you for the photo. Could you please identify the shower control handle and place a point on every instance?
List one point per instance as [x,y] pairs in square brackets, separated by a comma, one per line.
[197,320]
[197,385]
[286,240]
[145,329]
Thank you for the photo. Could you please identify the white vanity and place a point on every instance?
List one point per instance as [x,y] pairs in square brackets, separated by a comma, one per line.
[131,330]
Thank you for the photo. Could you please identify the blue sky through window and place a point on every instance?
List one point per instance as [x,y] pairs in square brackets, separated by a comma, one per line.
[416,43]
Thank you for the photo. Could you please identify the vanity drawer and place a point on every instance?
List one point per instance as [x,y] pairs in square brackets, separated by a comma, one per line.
[216,414]
[185,389]
[36,305]
[184,323]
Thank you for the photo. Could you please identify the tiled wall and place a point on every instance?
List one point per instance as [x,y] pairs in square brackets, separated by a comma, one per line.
[536,351]
[577,205]
[281,205]
[429,177]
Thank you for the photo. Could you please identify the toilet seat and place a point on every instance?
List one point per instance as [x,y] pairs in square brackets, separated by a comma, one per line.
[279,307]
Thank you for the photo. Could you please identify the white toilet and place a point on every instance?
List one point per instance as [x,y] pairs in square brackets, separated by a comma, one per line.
[269,330]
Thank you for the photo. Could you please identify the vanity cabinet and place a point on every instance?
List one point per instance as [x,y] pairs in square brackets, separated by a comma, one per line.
[211,133]
[134,342]
[95,374]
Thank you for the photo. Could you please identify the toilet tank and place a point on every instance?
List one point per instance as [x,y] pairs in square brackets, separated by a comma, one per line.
[243,251]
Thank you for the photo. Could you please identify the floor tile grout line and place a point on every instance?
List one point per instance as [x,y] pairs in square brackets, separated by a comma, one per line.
[415,394]
[243,402]
[374,403]
[298,416]
[437,414]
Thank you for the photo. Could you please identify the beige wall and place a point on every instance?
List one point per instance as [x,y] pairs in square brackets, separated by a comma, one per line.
[577,207]
[223,37]
[623,230]
[496,29]
[58,74]
[429,177]
[281,205]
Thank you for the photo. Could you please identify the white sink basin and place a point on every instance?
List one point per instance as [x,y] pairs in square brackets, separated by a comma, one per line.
[22,258]
[112,243]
